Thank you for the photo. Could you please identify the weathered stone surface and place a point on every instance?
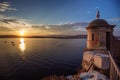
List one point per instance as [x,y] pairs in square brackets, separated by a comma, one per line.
[102,61]
[87,59]
[88,55]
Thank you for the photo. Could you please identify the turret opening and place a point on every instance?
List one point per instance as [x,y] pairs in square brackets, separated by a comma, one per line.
[92,37]
[108,40]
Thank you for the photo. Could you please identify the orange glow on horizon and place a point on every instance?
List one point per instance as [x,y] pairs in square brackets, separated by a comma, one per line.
[22,32]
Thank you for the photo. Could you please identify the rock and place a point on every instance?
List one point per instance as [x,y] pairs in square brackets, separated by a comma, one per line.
[93,75]
[70,77]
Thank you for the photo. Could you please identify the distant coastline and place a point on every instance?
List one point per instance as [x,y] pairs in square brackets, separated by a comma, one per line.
[51,36]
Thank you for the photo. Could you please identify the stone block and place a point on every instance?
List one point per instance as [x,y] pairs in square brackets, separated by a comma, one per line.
[88,55]
[102,61]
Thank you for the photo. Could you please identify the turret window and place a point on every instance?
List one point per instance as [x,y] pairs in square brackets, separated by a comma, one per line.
[92,37]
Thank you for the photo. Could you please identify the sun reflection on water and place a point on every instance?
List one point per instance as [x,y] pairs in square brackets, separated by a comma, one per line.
[22,44]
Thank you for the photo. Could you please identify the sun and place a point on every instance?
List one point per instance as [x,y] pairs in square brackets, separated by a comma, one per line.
[22,32]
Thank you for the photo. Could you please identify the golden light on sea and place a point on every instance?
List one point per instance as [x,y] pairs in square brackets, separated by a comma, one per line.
[22,44]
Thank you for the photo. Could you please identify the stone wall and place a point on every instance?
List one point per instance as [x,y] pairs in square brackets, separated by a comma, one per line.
[99,41]
[99,58]
[115,47]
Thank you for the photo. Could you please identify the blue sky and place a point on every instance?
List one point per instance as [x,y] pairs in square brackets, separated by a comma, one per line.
[49,12]
[61,11]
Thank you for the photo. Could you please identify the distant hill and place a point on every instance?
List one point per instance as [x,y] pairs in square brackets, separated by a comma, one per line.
[51,36]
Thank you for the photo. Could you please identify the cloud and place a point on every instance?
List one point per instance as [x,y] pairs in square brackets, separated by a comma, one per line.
[4,6]
[14,23]
[7,21]
[63,29]
[114,20]
[5,29]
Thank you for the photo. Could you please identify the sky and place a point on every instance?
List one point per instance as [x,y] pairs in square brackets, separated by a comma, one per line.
[47,17]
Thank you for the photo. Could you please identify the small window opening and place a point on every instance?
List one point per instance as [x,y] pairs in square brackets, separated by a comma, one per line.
[92,37]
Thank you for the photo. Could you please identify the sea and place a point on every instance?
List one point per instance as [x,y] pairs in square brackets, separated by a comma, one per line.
[35,58]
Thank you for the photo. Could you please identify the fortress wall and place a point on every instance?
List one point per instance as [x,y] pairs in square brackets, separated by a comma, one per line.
[115,47]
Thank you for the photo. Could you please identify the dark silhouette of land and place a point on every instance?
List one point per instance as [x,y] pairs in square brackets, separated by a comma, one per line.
[49,36]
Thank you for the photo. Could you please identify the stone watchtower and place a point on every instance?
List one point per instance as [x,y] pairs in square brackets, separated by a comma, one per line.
[98,34]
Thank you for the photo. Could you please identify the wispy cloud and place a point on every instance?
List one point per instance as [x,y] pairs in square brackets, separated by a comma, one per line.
[68,29]
[63,27]
[5,29]
[4,6]
[7,21]
[13,23]
[114,19]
